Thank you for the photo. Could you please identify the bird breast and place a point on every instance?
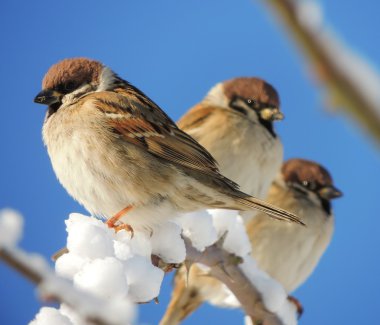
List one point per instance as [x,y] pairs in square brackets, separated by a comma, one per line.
[289,252]
[245,151]
[100,171]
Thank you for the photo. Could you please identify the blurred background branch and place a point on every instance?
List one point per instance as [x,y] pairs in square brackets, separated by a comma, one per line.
[56,289]
[351,84]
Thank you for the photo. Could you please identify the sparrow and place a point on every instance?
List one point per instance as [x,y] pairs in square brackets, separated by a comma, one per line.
[120,156]
[289,254]
[234,122]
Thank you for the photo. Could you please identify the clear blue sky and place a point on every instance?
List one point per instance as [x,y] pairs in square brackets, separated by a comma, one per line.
[175,51]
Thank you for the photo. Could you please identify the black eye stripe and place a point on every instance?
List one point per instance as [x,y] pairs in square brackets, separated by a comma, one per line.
[257,105]
[234,104]
[70,85]
[299,188]
[66,87]
[252,102]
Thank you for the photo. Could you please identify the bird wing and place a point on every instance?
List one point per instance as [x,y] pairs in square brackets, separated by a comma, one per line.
[195,116]
[141,122]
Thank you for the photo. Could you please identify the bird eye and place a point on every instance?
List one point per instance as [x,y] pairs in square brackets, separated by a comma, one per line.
[251,102]
[311,185]
[69,86]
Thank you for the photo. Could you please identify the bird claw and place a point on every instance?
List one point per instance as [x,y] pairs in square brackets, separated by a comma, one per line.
[233,259]
[170,267]
[124,226]
[166,267]
[111,222]
[298,305]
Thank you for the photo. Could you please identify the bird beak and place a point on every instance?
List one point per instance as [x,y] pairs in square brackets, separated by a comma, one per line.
[271,114]
[48,97]
[330,192]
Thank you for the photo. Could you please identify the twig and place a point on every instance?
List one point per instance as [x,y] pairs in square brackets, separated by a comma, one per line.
[342,84]
[221,268]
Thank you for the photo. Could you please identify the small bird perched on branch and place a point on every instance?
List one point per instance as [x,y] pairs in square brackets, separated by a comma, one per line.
[286,252]
[234,122]
[118,154]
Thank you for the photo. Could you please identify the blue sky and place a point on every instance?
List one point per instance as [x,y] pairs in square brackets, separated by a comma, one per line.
[175,51]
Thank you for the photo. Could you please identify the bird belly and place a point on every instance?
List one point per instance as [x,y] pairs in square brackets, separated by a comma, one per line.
[287,252]
[251,159]
[105,176]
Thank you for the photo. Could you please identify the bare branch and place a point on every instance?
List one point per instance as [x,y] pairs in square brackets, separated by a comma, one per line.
[224,267]
[342,82]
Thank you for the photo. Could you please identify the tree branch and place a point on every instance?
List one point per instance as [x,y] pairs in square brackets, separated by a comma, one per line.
[57,289]
[345,87]
[224,267]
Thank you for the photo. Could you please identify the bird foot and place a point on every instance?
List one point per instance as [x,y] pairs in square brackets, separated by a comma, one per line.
[298,305]
[124,226]
[166,267]
[111,222]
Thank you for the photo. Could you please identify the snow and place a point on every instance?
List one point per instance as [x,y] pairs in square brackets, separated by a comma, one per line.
[69,264]
[11,224]
[236,241]
[168,244]
[310,13]
[105,274]
[112,311]
[104,278]
[88,237]
[230,222]
[48,316]
[361,75]
[117,265]
[198,227]
[144,279]
[274,296]
[115,311]
[126,246]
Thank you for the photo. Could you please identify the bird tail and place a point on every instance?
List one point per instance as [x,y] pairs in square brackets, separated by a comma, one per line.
[246,202]
[184,301]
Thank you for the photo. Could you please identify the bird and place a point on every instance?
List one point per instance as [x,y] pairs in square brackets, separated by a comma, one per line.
[287,253]
[235,123]
[119,155]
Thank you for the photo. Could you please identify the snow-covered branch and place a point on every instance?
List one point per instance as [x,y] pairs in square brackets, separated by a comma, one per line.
[103,273]
[229,260]
[351,83]
[94,310]
[78,306]
[224,266]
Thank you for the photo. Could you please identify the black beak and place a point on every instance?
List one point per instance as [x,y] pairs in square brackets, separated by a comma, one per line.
[48,97]
[330,192]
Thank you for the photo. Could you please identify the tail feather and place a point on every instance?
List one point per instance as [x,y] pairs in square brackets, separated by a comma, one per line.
[247,202]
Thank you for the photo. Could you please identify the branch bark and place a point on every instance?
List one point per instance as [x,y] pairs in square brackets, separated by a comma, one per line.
[341,84]
[227,271]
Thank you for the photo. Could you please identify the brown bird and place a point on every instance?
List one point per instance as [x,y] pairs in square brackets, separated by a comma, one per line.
[286,252]
[118,154]
[234,122]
